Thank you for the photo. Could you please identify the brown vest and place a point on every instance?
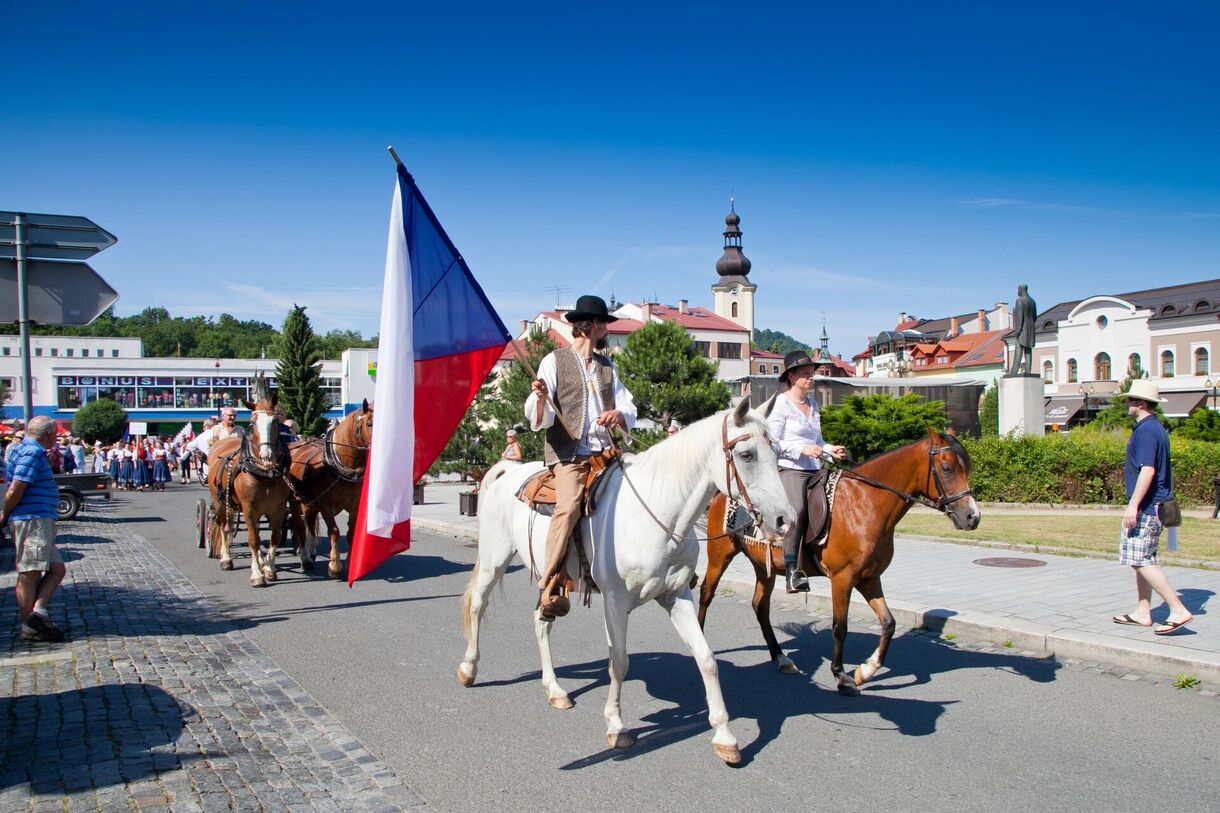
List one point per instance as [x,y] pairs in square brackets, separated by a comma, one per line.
[571,396]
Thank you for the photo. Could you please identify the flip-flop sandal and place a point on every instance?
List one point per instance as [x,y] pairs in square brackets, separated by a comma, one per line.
[1126,619]
[1171,626]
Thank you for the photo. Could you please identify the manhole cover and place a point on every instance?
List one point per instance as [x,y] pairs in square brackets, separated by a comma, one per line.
[1009,561]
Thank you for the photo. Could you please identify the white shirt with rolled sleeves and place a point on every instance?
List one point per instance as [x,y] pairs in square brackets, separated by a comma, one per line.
[595,438]
[791,432]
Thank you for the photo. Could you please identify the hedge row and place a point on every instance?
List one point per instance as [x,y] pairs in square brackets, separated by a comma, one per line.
[1083,467]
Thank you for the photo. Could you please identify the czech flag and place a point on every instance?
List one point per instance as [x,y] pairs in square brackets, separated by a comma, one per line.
[439,339]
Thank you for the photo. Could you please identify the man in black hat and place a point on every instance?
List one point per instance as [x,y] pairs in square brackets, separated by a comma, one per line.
[795,427]
[585,389]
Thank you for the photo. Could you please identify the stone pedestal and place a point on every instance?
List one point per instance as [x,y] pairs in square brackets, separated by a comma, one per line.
[1022,405]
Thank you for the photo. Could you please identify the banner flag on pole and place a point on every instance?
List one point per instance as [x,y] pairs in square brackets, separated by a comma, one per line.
[439,339]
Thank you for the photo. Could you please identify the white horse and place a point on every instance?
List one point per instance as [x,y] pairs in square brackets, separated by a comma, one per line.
[633,558]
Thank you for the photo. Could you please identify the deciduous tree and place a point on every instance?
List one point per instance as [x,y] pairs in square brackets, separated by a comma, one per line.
[102,420]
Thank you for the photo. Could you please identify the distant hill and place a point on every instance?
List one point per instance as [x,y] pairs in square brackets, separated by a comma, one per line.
[197,336]
[776,342]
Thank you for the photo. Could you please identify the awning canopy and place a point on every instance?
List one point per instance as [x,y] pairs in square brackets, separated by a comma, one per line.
[1181,404]
[1061,410]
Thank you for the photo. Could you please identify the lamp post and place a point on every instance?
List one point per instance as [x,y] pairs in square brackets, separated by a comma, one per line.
[1087,391]
[1213,386]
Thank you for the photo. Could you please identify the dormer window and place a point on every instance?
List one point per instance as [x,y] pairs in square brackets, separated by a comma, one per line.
[1168,310]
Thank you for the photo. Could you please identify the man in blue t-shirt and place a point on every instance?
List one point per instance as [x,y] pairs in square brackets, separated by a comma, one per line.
[29,510]
[1149,483]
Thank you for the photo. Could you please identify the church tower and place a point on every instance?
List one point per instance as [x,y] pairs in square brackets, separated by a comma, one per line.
[733,294]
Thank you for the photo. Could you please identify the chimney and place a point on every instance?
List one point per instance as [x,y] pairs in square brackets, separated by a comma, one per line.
[525,327]
[682,306]
[902,317]
[1002,318]
[982,321]
[646,312]
[953,331]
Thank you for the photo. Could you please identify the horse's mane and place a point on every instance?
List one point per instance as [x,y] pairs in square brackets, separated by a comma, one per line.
[685,451]
[951,441]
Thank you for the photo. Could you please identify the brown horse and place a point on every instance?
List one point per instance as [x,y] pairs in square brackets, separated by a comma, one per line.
[247,474]
[327,474]
[869,502]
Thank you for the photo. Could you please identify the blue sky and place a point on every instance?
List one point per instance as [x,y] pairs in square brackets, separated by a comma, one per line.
[919,157]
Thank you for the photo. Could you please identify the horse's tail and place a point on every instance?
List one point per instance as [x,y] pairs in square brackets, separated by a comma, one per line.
[466,597]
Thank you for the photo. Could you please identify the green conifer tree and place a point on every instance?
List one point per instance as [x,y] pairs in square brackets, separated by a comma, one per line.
[299,374]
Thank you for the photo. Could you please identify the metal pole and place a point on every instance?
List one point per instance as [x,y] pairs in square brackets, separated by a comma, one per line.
[23,319]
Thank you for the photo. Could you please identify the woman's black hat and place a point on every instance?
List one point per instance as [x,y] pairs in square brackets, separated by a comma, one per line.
[590,307]
[795,359]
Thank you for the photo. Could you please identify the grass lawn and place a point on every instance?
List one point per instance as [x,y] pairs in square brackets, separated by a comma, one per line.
[1198,539]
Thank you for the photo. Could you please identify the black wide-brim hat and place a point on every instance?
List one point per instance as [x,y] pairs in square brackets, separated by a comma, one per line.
[795,360]
[590,307]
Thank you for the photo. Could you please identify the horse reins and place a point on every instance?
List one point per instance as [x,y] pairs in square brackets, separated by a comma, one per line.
[943,500]
[730,469]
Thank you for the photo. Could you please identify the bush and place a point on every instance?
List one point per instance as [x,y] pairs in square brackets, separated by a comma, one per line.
[102,420]
[1083,467]
[871,424]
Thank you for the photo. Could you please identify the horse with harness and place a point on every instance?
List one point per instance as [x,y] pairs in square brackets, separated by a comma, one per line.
[246,476]
[327,474]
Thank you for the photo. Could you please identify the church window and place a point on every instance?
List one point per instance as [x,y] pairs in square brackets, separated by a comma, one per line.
[734,310]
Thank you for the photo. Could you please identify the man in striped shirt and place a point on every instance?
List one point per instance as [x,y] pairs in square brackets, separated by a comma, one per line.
[29,510]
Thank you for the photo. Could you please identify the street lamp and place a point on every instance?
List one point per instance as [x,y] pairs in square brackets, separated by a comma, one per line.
[1213,386]
[1087,391]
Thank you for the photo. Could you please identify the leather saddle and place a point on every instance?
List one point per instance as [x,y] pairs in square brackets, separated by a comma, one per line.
[538,492]
[817,525]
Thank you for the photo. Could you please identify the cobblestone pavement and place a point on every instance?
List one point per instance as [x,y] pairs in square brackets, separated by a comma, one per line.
[158,700]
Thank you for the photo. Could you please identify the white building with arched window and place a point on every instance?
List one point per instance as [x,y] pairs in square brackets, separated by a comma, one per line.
[1085,348]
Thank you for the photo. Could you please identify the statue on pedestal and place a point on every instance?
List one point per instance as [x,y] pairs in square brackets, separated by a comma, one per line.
[1024,312]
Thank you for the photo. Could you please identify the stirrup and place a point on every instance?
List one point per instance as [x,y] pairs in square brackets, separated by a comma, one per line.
[795,581]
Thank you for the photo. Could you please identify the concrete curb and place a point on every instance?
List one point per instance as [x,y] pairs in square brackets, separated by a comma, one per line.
[1052,642]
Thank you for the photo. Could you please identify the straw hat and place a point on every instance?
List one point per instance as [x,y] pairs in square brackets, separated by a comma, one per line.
[1145,390]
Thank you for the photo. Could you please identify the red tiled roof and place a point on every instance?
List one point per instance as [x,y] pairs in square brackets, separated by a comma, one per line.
[510,352]
[696,319]
[624,326]
[765,354]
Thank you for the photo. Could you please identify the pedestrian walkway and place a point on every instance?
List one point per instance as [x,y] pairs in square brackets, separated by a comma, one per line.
[158,702]
[1062,604]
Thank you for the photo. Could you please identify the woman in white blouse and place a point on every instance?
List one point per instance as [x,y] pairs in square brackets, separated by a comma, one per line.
[795,426]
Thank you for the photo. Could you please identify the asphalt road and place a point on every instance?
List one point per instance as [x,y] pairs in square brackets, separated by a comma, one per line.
[942,728]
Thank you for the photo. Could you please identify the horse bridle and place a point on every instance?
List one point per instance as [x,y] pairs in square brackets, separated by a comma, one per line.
[332,459]
[943,500]
[730,465]
[730,470]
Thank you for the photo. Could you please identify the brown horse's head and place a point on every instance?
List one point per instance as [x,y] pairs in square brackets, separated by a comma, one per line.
[265,427]
[949,480]
[356,430]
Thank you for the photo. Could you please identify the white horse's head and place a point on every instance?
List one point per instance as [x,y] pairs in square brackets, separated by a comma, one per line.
[750,473]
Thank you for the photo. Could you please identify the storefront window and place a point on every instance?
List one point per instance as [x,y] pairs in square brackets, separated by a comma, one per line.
[120,389]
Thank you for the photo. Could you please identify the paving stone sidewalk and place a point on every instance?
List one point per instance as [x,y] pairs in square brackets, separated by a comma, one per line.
[157,701]
[1063,606]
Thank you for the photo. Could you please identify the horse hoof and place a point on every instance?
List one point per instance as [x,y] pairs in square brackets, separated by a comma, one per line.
[621,740]
[337,575]
[563,702]
[258,582]
[307,567]
[731,754]
[465,679]
[847,687]
[787,667]
[270,576]
[226,564]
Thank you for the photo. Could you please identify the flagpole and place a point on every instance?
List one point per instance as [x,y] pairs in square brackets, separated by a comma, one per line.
[394,155]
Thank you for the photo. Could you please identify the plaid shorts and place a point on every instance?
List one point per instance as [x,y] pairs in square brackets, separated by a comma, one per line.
[1138,548]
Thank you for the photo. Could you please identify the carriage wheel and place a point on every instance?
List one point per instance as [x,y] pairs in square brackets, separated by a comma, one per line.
[201,523]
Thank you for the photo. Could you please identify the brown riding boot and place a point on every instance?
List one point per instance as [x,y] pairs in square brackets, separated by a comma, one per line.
[553,603]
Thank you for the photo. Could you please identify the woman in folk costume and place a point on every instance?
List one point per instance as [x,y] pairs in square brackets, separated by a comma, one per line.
[114,458]
[795,427]
[139,472]
[127,458]
[160,466]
